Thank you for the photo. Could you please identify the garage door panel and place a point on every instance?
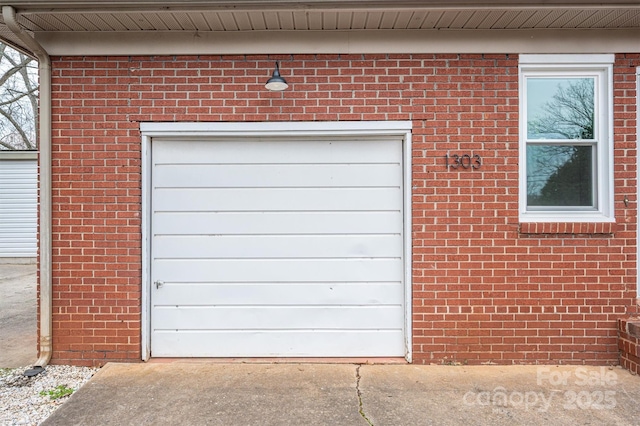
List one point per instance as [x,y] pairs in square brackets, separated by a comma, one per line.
[292,294]
[290,343]
[276,175]
[270,151]
[261,223]
[279,317]
[278,270]
[19,217]
[276,199]
[273,247]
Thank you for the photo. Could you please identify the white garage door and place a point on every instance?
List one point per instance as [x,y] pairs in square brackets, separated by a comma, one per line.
[269,247]
[18,204]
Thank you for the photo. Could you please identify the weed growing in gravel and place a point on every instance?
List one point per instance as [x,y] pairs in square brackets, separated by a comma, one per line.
[5,371]
[57,392]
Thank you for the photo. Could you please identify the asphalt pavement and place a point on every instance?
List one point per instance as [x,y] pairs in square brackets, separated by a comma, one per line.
[18,330]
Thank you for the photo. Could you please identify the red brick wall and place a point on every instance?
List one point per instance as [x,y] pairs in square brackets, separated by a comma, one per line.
[485,289]
[629,343]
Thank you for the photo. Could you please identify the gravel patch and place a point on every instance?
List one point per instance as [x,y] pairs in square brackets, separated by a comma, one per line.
[20,400]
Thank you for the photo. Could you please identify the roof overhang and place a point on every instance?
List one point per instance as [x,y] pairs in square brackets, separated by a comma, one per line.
[80,27]
[118,5]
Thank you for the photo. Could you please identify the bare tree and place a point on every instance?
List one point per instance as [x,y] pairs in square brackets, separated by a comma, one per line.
[18,100]
[569,113]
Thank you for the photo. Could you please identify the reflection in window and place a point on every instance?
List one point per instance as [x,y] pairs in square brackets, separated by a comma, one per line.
[560,108]
[560,175]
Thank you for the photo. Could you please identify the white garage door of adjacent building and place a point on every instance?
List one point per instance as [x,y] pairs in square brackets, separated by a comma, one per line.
[287,247]
[18,204]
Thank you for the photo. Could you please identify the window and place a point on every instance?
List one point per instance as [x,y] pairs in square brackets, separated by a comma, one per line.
[566,142]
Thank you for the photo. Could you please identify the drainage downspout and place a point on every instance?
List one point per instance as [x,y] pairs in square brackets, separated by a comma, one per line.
[44,146]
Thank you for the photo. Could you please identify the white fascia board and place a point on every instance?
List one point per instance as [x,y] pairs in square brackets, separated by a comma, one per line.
[339,42]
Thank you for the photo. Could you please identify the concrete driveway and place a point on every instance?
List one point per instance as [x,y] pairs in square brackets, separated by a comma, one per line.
[206,393]
[18,330]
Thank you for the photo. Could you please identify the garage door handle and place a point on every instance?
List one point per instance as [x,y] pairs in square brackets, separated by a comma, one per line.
[159,284]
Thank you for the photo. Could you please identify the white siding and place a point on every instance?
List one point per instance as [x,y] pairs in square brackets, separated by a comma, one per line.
[18,206]
[277,247]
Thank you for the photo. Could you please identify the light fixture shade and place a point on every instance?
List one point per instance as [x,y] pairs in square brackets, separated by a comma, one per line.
[276,83]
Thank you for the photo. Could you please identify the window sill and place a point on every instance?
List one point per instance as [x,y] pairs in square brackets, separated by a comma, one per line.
[571,228]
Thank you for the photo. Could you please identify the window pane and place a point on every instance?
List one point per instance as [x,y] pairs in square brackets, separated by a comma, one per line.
[560,175]
[560,108]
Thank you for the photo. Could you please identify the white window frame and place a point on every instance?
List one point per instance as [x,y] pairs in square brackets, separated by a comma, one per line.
[600,67]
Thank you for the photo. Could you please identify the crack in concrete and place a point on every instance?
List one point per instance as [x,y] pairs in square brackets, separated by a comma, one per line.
[359,392]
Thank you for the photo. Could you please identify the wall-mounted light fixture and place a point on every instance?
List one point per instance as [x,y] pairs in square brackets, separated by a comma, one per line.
[276,83]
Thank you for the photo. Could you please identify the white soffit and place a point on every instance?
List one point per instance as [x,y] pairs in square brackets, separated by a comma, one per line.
[298,17]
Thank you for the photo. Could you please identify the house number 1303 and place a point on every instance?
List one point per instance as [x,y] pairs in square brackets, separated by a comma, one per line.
[466,161]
